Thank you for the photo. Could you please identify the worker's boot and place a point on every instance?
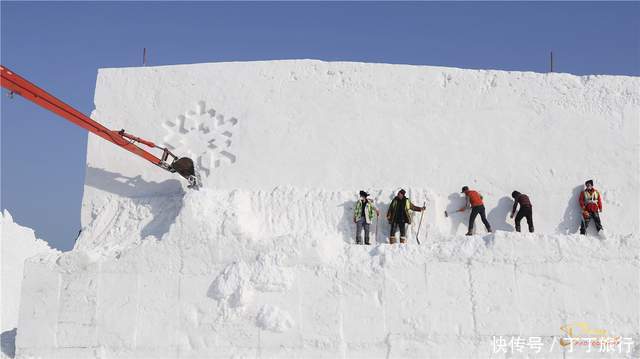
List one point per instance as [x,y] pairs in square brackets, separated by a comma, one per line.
[403,239]
[392,240]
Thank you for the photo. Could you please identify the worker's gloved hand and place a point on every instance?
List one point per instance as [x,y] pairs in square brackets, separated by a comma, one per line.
[511,216]
[585,214]
[424,207]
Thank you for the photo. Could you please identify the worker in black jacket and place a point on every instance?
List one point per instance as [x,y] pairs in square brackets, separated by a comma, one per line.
[525,209]
[398,215]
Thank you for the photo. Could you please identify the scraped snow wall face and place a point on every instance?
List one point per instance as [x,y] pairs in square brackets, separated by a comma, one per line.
[352,126]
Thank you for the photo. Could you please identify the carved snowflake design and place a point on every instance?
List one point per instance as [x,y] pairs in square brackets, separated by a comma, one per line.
[203,135]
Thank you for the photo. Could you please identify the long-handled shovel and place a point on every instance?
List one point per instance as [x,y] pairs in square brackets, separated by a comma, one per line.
[377,218]
[420,224]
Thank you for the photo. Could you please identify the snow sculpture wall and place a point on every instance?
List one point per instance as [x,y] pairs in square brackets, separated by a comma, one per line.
[260,263]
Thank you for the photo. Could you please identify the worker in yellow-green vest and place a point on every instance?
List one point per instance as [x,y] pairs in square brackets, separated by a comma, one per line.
[363,216]
[398,216]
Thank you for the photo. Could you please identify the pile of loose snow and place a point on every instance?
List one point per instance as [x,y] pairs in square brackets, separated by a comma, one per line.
[17,243]
[260,262]
[274,319]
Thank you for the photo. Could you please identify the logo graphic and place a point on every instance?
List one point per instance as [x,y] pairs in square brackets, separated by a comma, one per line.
[582,334]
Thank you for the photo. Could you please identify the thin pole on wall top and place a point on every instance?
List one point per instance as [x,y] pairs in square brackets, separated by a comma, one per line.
[144,56]
[551,62]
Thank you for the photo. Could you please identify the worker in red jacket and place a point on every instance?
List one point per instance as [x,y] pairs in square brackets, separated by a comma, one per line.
[591,205]
[474,200]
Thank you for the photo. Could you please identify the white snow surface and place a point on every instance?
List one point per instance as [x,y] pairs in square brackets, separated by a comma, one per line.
[260,262]
[17,244]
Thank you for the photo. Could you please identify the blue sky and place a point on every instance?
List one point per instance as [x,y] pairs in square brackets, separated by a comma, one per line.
[60,47]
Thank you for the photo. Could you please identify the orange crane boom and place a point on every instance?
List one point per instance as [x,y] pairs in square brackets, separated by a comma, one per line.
[16,84]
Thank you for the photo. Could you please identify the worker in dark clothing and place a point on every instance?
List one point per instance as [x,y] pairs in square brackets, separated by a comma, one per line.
[525,210]
[474,201]
[591,204]
[398,216]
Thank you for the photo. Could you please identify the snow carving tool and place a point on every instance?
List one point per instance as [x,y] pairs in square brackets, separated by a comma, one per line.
[168,161]
[420,224]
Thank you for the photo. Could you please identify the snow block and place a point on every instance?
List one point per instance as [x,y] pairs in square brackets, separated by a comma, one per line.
[265,124]
[17,243]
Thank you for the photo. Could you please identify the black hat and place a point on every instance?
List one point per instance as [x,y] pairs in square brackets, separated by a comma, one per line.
[364,194]
[589,182]
[464,189]
[402,191]
[515,194]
